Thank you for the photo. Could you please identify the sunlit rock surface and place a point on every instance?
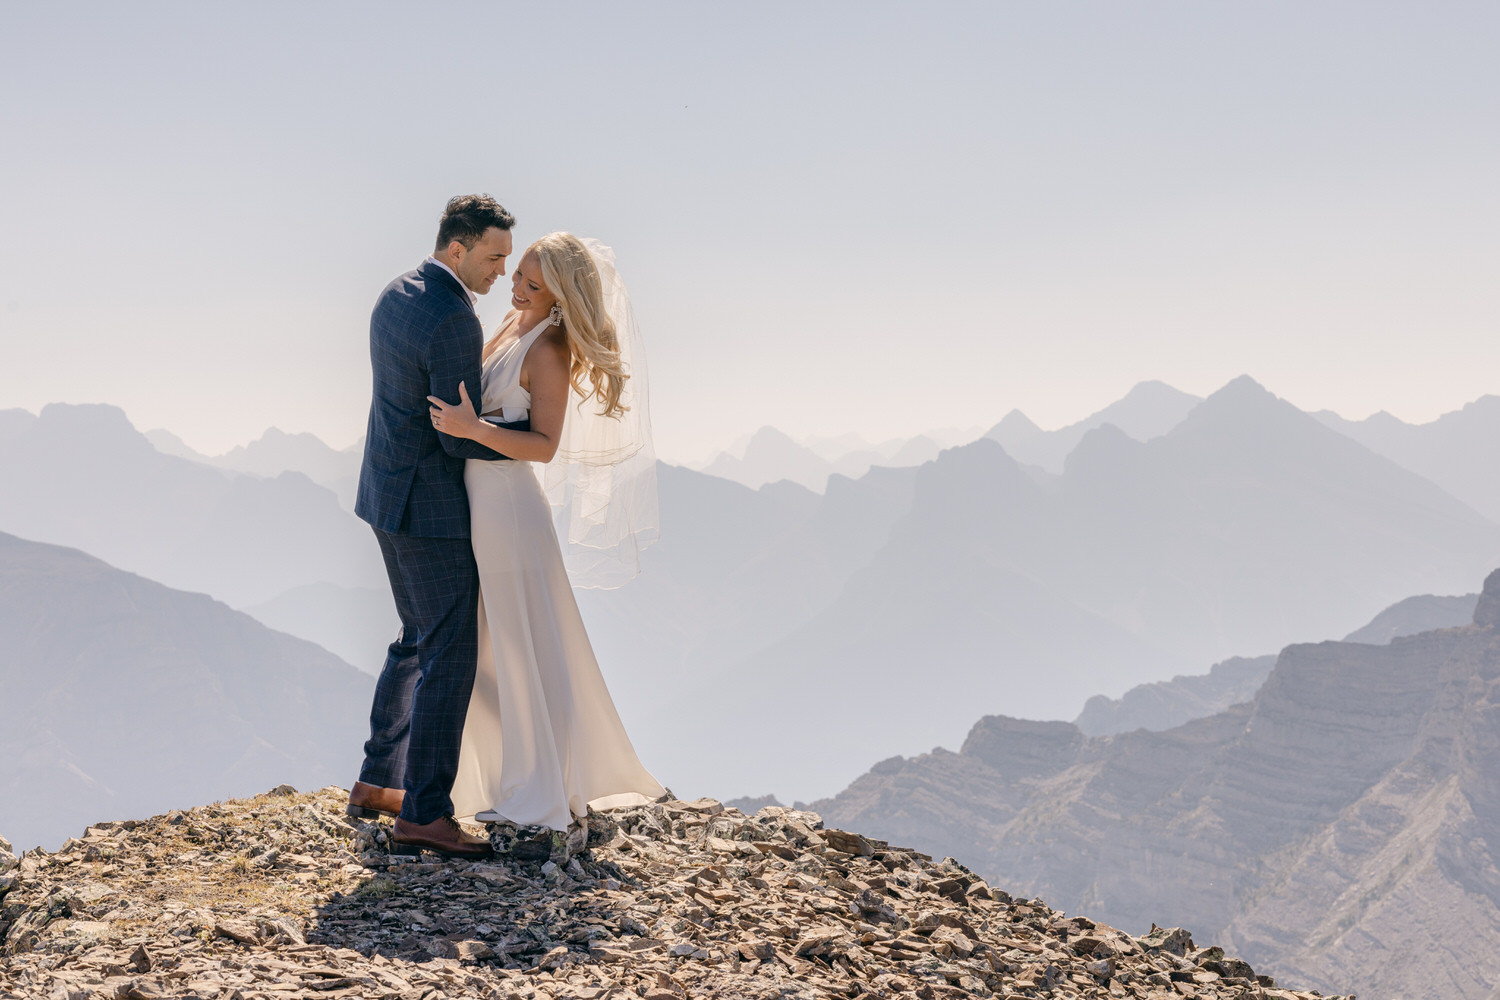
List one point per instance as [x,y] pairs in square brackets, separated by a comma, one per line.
[280,895]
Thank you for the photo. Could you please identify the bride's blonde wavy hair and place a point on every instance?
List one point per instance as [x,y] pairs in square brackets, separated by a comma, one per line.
[569,272]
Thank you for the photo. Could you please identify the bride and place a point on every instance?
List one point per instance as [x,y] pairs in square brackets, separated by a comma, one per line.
[542,740]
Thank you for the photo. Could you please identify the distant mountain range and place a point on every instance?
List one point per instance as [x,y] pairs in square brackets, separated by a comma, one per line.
[1168,704]
[1414,615]
[1247,526]
[1147,411]
[82,476]
[1441,450]
[1342,828]
[275,452]
[1244,526]
[125,698]
[772,456]
[1457,450]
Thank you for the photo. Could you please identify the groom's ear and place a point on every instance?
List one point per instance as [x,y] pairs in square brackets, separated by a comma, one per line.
[456,249]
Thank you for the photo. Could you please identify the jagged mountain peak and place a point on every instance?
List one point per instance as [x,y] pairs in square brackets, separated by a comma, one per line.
[1243,383]
[1022,748]
[1244,420]
[1148,410]
[1154,387]
[1487,611]
[1385,418]
[15,421]
[974,483]
[102,414]
[770,436]
[1014,423]
[277,450]
[106,426]
[982,465]
[1486,403]
[1242,394]
[1103,446]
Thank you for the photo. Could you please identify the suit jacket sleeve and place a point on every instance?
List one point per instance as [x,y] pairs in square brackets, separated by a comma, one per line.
[453,358]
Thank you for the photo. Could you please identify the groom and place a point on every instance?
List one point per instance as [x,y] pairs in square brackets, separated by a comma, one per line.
[424,340]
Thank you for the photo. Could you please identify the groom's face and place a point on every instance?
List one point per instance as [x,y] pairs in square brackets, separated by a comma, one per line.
[478,266]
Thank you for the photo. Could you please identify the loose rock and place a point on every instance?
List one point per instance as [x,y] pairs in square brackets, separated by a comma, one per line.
[281,895]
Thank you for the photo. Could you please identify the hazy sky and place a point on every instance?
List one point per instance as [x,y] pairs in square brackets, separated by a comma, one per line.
[833,217]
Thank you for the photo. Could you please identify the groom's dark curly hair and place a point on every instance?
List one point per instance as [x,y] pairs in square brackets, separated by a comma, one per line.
[468,216]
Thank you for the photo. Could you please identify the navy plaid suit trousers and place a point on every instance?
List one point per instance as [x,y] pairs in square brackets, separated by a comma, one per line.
[422,696]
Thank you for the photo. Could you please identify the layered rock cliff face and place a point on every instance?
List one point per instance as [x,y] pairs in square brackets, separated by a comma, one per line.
[1340,829]
[280,896]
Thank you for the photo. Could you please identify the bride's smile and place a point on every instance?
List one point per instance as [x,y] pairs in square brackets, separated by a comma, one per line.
[527,292]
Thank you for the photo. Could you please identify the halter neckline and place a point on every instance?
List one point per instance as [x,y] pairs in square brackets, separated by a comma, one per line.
[501,380]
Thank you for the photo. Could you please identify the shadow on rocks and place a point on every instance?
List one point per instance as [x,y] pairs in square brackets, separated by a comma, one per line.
[537,903]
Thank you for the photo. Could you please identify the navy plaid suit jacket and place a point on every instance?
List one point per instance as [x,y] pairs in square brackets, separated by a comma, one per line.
[424,340]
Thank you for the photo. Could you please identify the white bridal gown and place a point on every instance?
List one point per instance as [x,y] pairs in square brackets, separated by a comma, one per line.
[542,740]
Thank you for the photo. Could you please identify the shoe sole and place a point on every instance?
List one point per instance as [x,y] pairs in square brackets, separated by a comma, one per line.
[415,850]
[364,812]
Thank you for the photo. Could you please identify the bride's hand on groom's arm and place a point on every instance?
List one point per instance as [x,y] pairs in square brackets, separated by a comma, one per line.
[456,419]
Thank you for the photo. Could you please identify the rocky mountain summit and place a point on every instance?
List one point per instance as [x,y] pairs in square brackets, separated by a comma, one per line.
[281,896]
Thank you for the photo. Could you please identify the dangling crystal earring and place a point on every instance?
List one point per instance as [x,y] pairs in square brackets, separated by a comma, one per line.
[556,314]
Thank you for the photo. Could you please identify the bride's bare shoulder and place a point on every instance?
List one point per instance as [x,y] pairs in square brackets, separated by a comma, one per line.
[554,343]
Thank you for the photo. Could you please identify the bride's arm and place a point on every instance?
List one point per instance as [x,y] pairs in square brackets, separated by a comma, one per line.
[548,364]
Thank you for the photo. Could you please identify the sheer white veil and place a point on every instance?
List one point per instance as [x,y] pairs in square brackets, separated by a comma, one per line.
[602,481]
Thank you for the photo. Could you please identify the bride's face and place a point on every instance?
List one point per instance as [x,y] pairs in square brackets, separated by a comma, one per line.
[527,292]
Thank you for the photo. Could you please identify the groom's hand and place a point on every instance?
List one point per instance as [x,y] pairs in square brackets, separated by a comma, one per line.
[460,420]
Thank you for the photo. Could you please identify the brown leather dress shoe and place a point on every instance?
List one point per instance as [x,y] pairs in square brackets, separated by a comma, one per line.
[442,835]
[372,801]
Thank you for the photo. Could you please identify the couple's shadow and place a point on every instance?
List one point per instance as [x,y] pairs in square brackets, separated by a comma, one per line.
[520,909]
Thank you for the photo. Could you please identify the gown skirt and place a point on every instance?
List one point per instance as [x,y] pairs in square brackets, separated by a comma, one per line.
[542,741]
